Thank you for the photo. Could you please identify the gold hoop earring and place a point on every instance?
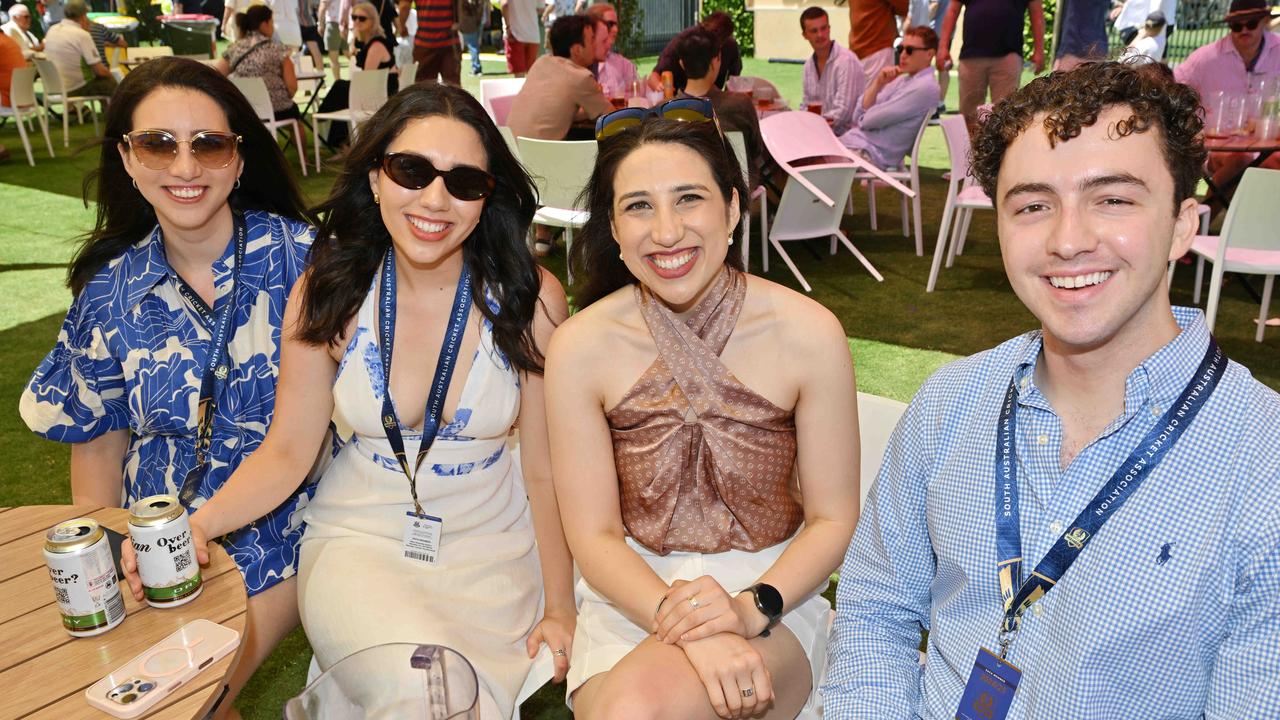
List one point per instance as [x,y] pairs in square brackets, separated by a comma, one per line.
[376,199]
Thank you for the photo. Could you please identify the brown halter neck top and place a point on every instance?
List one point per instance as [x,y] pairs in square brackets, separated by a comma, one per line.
[704,463]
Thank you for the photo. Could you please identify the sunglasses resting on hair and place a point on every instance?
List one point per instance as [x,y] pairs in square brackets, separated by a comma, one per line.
[157,149]
[414,172]
[685,109]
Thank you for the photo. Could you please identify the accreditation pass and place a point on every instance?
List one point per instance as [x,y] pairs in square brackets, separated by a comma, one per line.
[422,538]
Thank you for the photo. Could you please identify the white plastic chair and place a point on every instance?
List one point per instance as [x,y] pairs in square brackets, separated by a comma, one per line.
[560,170]
[368,93]
[408,74]
[498,87]
[392,680]
[1248,243]
[22,96]
[911,175]
[801,215]
[508,135]
[738,142]
[877,417]
[55,94]
[255,91]
[964,196]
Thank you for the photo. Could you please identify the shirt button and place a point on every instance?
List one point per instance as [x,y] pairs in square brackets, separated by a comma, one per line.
[1025,382]
[1037,610]
[1042,439]
[1055,527]
[1155,411]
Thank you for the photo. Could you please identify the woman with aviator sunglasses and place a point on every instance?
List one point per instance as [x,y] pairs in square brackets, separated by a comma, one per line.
[419,328]
[703,438]
[163,377]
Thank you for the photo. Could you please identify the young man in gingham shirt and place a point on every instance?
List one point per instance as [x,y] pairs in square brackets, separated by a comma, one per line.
[1172,609]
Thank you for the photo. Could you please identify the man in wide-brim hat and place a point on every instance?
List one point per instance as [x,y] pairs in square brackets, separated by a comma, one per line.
[1225,66]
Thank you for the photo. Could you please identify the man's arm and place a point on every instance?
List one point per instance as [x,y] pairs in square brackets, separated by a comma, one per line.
[882,599]
[909,105]
[948,29]
[1036,7]
[590,100]
[402,15]
[838,109]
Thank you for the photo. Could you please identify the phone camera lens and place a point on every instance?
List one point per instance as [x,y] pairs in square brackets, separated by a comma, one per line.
[121,689]
[128,698]
[146,687]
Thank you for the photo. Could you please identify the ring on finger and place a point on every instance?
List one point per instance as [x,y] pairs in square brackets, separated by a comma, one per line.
[558,653]
[748,692]
[694,602]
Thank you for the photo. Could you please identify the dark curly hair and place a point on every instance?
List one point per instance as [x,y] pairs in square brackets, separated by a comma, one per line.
[594,256]
[1073,100]
[351,239]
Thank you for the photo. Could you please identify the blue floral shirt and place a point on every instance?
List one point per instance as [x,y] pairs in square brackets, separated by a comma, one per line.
[131,354]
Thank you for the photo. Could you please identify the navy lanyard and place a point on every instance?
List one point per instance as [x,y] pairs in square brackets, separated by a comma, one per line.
[1122,485]
[444,369]
[215,367]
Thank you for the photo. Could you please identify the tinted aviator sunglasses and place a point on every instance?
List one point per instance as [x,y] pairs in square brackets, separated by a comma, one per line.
[414,172]
[157,149]
[1242,25]
[686,109]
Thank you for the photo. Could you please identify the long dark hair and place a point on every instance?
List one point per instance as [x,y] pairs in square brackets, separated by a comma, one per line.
[351,238]
[594,257]
[124,216]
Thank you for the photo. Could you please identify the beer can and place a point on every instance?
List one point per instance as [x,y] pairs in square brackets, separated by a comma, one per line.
[161,537]
[84,577]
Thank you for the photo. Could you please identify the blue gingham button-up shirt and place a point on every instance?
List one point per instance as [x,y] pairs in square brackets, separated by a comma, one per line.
[1171,612]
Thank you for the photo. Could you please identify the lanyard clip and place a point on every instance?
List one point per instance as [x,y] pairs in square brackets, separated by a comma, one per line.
[1008,629]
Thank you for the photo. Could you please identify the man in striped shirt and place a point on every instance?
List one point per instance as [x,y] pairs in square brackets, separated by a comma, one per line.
[833,77]
[435,45]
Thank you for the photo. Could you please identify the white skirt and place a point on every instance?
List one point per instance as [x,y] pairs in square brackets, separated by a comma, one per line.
[604,636]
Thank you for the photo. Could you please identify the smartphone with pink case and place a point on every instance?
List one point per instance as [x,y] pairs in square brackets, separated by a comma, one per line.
[136,687]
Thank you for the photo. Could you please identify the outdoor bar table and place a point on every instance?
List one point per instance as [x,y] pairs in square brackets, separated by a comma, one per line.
[1237,144]
[44,671]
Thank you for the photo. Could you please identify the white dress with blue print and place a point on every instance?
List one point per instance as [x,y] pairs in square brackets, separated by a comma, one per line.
[357,590]
[131,354]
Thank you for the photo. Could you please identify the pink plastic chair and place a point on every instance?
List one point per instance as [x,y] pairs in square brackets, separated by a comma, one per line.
[796,135]
[963,197]
[501,107]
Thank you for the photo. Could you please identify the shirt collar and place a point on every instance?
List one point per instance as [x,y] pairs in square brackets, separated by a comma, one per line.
[145,265]
[1157,380]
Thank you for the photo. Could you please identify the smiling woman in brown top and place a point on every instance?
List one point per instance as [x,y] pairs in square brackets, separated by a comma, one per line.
[704,431]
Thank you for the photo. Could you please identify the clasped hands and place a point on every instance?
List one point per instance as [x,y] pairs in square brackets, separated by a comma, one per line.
[712,628]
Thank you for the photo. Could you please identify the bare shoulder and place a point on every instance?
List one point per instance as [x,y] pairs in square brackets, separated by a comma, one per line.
[804,323]
[589,335]
[551,296]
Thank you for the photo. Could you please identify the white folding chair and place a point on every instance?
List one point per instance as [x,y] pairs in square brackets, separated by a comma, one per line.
[255,91]
[408,74]
[22,97]
[368,93]
[55,94]
[739,144]
[560,170]
[909,174]
[153,51]
[801,214]
[510,137]
[1248,243]
[964,196]
[498,87]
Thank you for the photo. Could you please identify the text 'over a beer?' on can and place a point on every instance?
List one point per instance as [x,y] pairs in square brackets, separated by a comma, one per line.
[161,537]
[84,577]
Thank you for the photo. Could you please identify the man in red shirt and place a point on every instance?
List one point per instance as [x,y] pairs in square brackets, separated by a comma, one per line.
[435,45]
[873,26]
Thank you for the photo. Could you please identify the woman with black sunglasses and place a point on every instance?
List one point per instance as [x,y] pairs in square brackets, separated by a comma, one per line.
[703,437]
[163,377]
[372,52]
[421,294]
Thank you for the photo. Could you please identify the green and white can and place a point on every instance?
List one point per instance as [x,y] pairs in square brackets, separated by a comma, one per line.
[84,577]
[161,537]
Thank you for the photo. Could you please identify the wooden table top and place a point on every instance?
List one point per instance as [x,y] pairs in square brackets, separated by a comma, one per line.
[1240,143]
[44,671]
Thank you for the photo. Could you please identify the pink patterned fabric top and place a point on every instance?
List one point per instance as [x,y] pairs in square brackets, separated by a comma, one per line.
[704,463]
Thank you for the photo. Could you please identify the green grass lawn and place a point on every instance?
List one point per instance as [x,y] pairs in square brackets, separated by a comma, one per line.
[898,334]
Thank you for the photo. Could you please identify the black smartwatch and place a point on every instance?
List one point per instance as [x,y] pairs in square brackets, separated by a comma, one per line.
[769,602]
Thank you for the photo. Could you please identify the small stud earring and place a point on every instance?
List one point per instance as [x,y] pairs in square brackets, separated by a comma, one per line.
[730,238]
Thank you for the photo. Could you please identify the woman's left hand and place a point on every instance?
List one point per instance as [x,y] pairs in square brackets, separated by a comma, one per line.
[696,609]
[557,632]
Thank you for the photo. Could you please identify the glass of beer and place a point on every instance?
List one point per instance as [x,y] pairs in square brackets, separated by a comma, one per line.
[815,108]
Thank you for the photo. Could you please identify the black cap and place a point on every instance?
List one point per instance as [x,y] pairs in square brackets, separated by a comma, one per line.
[1156,19]
[1247,8]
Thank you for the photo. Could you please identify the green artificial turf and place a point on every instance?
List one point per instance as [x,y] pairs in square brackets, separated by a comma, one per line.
[898,333]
